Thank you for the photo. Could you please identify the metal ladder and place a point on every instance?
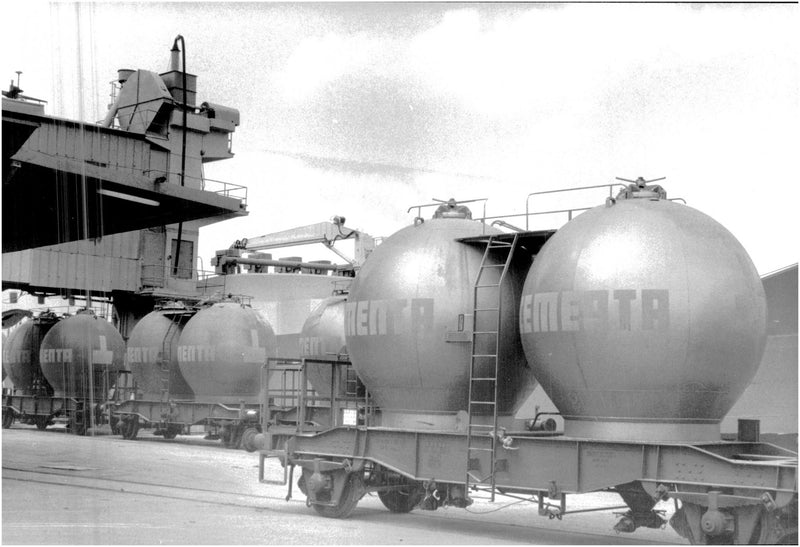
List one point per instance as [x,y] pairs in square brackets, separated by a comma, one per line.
[484,360]
[166,354]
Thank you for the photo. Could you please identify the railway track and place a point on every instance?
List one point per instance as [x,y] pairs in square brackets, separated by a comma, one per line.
[371,522]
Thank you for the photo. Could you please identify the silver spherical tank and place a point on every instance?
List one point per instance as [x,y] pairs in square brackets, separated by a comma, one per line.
[152,356]
[222,350]
[408,320]
[322,337]
[81,355]
[643,319]
[21,355]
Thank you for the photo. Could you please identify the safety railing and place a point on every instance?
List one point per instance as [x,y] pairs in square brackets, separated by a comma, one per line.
[226,189]
[289,396]
[570,212]
[503,220]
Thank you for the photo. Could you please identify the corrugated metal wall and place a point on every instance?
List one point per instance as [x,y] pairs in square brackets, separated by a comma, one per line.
[111,263]
[130,155]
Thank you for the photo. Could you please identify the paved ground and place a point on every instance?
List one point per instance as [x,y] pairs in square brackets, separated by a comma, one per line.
[63,489]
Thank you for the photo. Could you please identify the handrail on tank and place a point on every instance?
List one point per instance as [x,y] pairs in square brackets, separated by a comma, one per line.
[610,187]
[439,202]
[498,220]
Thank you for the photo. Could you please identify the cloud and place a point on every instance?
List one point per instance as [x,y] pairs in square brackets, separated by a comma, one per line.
[319,60]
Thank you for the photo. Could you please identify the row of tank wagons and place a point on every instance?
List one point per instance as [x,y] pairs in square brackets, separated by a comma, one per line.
[63,356]
[640,311]
[214,355]
[222,347]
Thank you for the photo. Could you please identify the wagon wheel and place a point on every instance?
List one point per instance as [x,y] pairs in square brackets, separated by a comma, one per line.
[77,423]
[773,528]
[8,418]
[403,500]
[130,427]
[171,431]
[226,435]
[777,528]
[231,436]
[353,491]
[42,422]
[248,439]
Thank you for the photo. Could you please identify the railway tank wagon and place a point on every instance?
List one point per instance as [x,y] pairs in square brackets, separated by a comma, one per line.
[643,319]
[81,357]
[221,354]
[409,323]
[668,449]
[221,351]
[30,401]
[152,355]
[21,355]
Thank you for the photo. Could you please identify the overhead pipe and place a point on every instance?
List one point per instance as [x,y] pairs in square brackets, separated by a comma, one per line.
[173,65]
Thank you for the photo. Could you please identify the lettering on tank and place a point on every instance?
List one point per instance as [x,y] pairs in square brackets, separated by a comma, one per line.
[388,317]
[143,354]
[55,355]
[188,354]
[102,356]
[622,309]
[22,356]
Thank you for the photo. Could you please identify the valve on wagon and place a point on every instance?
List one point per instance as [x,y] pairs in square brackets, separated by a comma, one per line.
[452,495]
[641,188]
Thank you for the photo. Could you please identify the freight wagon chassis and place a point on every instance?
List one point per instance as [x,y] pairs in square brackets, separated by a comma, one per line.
[234,426]
[724,492]
[42,411]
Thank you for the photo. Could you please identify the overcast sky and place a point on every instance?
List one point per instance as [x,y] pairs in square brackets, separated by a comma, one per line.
[363,110]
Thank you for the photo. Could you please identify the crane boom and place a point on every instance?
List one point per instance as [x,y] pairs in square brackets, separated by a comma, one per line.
[326,233]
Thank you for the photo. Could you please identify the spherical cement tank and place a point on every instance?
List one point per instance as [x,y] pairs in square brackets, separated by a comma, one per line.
[408,321]
[152,355]
[78,349]
[21,355]
[221,352]
[643,319]
[322,337]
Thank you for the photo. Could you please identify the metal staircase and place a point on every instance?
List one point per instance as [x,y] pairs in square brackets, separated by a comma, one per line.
[484,360]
